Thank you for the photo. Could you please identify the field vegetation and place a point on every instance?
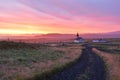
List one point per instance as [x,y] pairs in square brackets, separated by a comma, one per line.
[110,52]
[21,61]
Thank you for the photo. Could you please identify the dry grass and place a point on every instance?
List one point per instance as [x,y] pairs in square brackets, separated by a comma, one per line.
[19,63]
[112,63]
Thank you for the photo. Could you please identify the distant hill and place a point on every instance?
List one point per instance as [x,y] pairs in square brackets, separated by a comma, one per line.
[115,32]
[57,36]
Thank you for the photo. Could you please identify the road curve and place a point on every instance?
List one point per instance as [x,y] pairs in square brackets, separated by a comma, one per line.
[89,67]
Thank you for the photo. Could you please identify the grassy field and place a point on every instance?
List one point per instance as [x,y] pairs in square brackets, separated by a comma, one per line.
[110,52]
[19,61]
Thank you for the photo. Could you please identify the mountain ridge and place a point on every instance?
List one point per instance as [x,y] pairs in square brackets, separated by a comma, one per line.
[115,34]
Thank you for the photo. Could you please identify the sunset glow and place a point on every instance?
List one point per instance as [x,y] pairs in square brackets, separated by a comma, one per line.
[59,16]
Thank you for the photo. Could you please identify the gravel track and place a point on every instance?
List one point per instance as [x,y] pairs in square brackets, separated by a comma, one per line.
[89,67]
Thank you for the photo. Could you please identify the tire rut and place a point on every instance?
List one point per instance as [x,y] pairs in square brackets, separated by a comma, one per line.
[89,67]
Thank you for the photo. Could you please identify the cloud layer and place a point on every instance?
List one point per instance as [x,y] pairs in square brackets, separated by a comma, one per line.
[59,16]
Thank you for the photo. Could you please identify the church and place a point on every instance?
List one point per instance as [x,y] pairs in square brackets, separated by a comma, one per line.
[79,39]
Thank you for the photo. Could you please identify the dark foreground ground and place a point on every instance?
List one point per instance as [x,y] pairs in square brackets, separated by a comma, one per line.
[89,67]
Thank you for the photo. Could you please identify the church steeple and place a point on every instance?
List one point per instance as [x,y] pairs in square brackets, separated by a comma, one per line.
[77,35]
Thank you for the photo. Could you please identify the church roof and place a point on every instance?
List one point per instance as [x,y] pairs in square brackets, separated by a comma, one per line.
[79,38]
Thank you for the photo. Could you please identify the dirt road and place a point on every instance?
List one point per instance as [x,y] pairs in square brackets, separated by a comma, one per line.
[89,67]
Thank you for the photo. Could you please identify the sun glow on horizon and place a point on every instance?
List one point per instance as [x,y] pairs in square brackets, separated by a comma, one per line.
[12,28]
[10,31]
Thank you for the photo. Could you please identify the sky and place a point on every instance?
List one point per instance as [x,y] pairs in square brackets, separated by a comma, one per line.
[59,16]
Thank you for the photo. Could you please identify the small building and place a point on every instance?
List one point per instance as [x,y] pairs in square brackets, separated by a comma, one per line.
[79,39]
[99,41]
